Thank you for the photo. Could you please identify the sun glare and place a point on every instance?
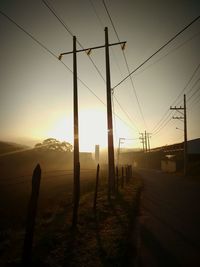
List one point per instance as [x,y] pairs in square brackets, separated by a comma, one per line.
[92,129]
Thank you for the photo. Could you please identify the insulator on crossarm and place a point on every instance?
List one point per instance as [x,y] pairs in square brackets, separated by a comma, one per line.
[88,51]
[123,46]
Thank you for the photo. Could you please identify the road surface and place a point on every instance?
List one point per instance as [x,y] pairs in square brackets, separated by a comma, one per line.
[170,220]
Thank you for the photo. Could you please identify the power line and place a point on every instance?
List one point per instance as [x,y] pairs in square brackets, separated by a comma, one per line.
[162,127]
[71,33]
[126,113]
[161,48]
[194,101]
[27,33]
[197,90]
[187,84]
[168,53]
[160,122]
[102,25]
[126,62]
[96,13]
[50,52]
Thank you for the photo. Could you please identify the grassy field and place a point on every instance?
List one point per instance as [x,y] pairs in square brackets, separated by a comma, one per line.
[102,238]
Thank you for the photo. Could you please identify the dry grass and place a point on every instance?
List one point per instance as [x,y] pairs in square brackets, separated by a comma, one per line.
[102,238]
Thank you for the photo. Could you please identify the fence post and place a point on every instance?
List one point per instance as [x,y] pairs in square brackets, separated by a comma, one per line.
[96,188]
[122,178]
[131,171]
[32,210]
[117,179]
[128,173]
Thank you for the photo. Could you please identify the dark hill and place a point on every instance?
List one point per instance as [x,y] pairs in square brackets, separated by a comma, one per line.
[7,147]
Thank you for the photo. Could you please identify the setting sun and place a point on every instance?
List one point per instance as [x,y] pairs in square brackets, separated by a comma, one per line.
[92,129]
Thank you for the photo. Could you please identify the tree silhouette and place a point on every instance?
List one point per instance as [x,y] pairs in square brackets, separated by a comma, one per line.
[52,144]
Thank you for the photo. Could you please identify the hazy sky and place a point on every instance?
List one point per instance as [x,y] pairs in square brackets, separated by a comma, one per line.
[36,88]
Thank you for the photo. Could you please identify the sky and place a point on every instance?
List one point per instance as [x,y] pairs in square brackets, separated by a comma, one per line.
[36,89]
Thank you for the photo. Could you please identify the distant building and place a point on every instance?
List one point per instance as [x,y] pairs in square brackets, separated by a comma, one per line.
[194,146]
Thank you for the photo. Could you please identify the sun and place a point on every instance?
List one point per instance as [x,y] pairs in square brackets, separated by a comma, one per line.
[92,129]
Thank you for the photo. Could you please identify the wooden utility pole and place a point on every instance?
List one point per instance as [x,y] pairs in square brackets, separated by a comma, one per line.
[142,138]
[184,118]
[76,189]
[111,166]
[145,138]
[148,141]
[111,163]
[185,137]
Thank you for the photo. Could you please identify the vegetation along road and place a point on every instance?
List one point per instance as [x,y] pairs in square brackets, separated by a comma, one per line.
[170,220]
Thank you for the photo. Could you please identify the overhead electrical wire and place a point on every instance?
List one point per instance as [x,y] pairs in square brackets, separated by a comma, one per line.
[194,92]
[168,53]
[50,52]
[161,48]
[166,122]
[162,127]
[126,113]
[126,62]
[187,84]
[103,26]
[194,102]
[180,94]
[113,97]
[71,33]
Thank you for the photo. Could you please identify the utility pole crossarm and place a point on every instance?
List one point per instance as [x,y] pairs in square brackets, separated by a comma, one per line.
[176,108]
[88,50]
[178,118]
[184,118]
[111,164]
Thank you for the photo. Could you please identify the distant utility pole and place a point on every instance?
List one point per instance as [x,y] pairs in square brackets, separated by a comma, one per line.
[118,151]
[145,140]
[145,137]
[148,141]
[184,118]
[142,140]
[111,166]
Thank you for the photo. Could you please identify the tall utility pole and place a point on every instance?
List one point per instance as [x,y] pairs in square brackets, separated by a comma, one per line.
[76,188]
[185,137]
[76,140]
[184,118]
[111,160]
[111,166]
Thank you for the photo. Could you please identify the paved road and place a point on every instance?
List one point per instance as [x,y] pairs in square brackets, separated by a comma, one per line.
[170,220]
